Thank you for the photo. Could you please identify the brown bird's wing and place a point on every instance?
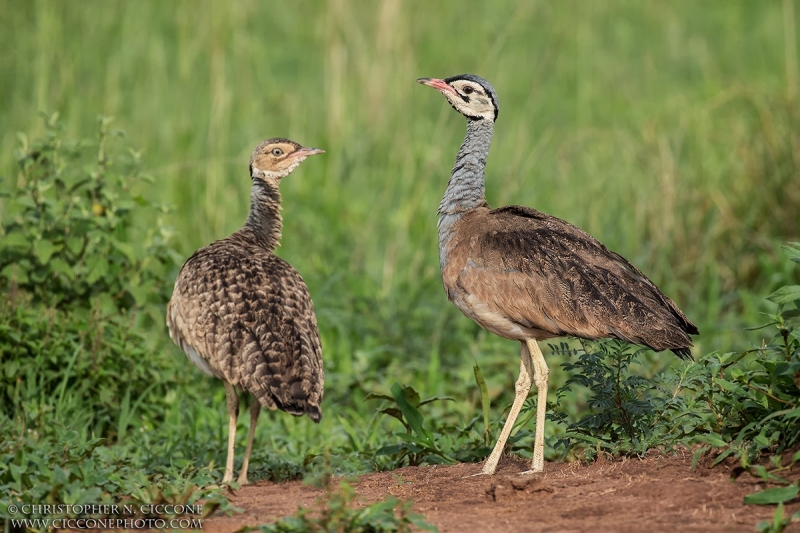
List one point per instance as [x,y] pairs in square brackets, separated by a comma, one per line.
[548,275]
[249,316]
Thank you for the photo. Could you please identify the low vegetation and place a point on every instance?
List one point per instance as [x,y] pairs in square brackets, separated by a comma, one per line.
[338,511]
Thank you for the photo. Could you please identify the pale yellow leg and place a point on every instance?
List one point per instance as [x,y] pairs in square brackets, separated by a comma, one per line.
[521,390]
[541,376]
[233,413]
[255,409]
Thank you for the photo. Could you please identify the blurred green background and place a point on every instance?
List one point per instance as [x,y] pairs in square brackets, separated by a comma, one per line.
[668,130]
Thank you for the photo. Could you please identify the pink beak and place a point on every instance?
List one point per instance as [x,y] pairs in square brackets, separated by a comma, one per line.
[439,85]
[305,152]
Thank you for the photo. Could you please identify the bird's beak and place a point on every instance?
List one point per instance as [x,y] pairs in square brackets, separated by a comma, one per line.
[439,85]
[305,152]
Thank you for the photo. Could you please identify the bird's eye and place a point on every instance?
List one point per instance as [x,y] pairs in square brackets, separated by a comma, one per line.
[468,90]
[277,152]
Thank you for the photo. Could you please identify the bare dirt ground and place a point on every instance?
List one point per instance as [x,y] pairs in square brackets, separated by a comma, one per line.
[657,493]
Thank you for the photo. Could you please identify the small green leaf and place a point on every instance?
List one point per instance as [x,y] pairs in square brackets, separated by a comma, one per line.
[61,266]
[412,416]
[75,245]
[44,250]
[126,249]
[395,412]
[98,267]
[16,272]
[436,399]
[697,455]
[411,395]
[712,439]
[140,292]
[792,251]
[730,386]
[391,449]
[378,396]
[15,240]
[60,475]
[773,495]
[785,295]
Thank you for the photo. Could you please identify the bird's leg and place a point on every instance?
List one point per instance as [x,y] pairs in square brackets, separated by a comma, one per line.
[540,377]
[521,390]
[255,409]
[233,413]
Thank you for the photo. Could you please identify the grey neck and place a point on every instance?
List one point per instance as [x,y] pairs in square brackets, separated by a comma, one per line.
[264,222]
[465,190]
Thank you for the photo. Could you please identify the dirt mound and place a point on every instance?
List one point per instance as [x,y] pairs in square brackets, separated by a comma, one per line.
[652,494]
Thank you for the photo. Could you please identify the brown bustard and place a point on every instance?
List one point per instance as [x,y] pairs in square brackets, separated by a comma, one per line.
[528,276]
[244,315]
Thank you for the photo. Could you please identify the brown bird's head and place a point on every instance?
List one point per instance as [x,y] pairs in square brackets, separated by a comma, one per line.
[470,95]
[276,158]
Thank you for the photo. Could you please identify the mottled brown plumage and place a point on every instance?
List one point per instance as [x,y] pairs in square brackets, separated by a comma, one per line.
[528,276]
[244,315]
[552,279]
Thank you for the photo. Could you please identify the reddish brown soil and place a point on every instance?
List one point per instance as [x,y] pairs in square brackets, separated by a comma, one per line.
[653,494]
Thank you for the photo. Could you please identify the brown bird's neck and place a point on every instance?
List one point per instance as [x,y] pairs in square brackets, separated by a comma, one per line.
[264,223]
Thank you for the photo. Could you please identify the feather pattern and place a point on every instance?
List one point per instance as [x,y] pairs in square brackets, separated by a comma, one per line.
[538,276]
[244,315]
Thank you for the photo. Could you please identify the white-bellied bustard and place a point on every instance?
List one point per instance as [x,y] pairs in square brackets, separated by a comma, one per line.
[244,315]
[528,276]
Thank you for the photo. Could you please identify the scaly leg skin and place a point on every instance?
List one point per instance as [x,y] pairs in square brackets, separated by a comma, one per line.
[521,390]
[233,413]
[255,409]
[540,376]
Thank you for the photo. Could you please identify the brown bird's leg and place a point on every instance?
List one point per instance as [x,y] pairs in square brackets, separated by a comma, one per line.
[521,390]
[540,376]
[233,413]
[255,409]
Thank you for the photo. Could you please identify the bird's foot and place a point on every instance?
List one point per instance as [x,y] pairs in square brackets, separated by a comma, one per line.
[529,472]
[481,473]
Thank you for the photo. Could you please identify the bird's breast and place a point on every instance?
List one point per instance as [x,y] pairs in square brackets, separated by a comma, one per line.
[492,319]
[469,286]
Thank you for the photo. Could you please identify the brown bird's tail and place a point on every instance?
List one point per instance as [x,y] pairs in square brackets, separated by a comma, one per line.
[683,353]
[314,412]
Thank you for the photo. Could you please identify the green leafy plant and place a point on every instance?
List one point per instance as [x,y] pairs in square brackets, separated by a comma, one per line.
[68,233]
[752,398]
[82,381]
[64,466]
[55,363]
[338,513]
[418,444]
[623,407]
[779,521]
[77,276]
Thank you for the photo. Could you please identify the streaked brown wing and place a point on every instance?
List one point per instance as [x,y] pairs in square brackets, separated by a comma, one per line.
[250,317]
[547,274]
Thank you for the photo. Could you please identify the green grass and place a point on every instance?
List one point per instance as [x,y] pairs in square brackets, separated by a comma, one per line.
[668,131]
